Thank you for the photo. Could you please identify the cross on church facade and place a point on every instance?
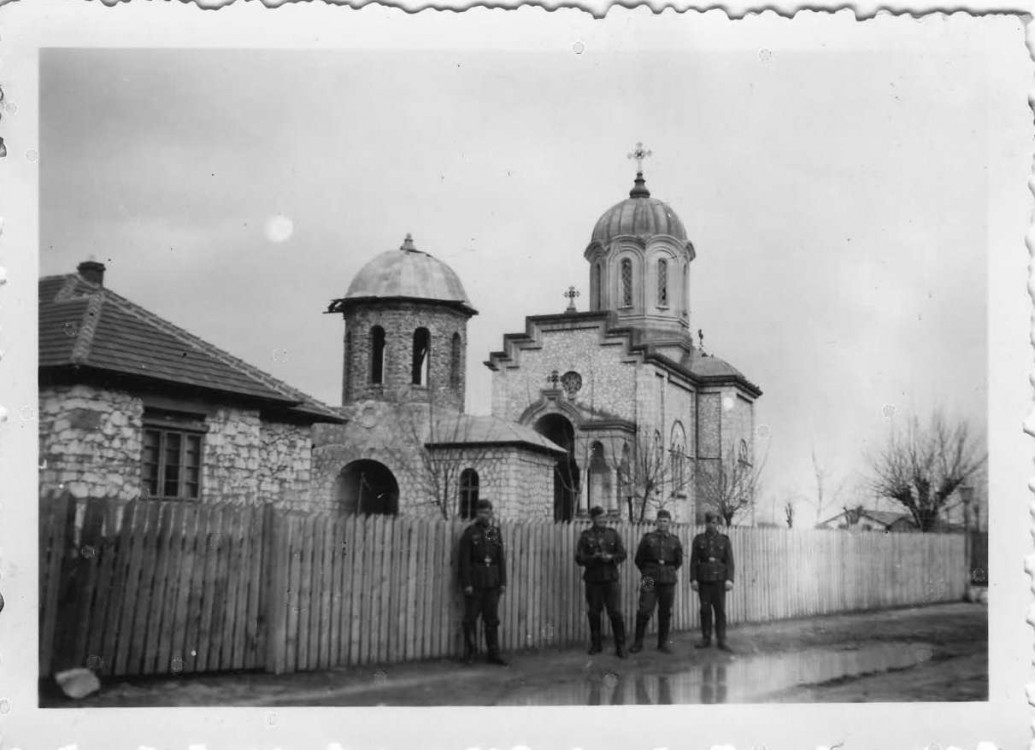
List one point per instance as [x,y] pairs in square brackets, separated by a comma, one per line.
[553,378]
[570,295]
[639,154]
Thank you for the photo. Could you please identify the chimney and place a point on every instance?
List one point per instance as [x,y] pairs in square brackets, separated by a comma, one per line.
[92,271]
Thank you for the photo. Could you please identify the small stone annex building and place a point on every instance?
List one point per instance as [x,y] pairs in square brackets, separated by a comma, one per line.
[407,446]
[132,406]
[622,387]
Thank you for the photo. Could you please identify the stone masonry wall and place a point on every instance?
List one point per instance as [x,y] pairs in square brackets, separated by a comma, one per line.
[285,464]
[607,382]
[399,321]
[90,441]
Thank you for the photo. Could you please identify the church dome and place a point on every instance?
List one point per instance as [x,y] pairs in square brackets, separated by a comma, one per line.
[638,215]
[408,273]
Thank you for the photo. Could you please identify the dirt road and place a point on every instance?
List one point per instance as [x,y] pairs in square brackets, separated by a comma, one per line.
[936,653]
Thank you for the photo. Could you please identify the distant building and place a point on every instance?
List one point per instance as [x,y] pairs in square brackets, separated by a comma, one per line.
[131,406]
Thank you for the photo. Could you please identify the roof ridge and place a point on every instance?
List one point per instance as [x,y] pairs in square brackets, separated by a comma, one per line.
[87,329]
[212,350]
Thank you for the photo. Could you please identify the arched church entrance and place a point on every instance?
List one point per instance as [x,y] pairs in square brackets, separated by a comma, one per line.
[559,430]
[366,487]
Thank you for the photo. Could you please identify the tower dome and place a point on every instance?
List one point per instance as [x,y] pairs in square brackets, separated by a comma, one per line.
[638,215]
[406,319]
[639,262]
[408,273]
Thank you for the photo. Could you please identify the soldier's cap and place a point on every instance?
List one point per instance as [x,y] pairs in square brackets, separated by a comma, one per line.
[483,505]
[595,511]
[712,516]
[664,514]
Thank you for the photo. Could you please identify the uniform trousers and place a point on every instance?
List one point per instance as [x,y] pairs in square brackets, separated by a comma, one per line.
[713,597]
[484,602]
[660,595]
[601,595]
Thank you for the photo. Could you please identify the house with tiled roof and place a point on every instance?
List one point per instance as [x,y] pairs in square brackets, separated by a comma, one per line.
[132,405]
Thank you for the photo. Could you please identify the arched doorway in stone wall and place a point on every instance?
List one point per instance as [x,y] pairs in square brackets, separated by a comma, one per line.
[366,487]
[559,430]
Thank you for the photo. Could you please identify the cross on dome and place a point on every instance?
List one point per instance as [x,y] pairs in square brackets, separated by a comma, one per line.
[639,154]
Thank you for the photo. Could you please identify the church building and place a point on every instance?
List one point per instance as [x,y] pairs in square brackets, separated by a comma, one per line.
[647,419]
[407,447]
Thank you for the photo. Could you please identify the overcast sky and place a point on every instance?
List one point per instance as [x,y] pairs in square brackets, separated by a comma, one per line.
[837,201]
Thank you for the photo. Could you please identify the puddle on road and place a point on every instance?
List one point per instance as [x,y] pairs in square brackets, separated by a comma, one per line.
[720,679]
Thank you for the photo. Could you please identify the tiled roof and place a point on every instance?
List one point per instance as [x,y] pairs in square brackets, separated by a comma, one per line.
[88,325]
[474,429]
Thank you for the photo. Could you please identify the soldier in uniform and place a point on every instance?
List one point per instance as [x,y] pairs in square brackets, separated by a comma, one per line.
[658,557]
[711,576]
[600,552]
[483,578]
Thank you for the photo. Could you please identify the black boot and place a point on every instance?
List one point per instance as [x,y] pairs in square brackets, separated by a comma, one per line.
[663,625]
[492,642]
[704,643]
[641,628]
[595,646]
[470,647]
[618,628]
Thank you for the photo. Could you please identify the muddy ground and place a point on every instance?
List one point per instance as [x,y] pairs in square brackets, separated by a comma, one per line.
[936,653]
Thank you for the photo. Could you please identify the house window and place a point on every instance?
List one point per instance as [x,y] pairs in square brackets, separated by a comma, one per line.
[468,492]
[627,283]
[377,355]
[596,301]
[455,361]
[662,283]
[171,455]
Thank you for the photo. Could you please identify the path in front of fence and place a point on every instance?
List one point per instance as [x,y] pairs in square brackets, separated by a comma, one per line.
[149,587]
[937,653]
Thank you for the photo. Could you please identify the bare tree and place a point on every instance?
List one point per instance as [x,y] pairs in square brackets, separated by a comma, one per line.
[921,467]
[435,448]
[788,514]
[731,488]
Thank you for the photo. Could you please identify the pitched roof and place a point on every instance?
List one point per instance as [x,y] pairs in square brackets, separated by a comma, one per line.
[83,324]
[883,517]
[475,429]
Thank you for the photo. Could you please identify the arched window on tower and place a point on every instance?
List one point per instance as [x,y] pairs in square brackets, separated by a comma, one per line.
[597,301]
[421,356]
[627,283]
[377,355]
[662,283]
[468,492]
[455,361]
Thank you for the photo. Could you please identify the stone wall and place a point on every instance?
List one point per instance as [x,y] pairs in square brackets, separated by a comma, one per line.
[90,441]
[518,481]
[400,320]
[608,382]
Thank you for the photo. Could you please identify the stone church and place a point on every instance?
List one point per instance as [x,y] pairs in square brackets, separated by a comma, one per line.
[647,419]
[614,406]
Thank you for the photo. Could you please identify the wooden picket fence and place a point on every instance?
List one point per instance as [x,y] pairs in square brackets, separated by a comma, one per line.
[150,587]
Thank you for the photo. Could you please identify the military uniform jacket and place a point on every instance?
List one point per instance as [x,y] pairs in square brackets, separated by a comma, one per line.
[711,558]
[481,560]
[659,556]
[594,541]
